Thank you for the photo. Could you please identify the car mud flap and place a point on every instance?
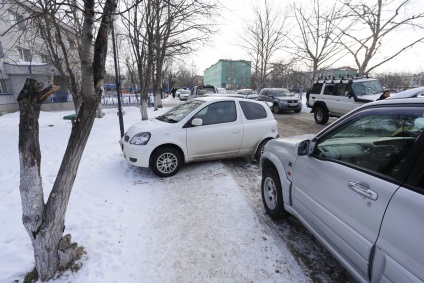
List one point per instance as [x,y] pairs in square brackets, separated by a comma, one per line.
[290,193]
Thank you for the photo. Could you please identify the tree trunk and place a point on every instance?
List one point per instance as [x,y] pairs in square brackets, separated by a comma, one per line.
[44,229]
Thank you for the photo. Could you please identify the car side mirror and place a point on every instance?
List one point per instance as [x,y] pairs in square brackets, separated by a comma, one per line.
[303,148]
[197,122]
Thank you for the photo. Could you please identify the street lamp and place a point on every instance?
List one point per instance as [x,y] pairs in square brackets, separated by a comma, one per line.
[117,80]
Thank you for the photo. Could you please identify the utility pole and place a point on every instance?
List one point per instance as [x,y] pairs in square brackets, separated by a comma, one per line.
[117,80]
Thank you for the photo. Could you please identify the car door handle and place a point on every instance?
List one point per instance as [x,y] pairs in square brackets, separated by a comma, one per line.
[235,131]
[363,189]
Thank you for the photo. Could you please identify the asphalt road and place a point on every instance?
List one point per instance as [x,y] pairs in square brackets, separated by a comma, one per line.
[293,124]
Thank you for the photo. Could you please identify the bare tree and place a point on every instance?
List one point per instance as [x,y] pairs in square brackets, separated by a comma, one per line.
[319,32]
[262,38]
[179,26]
[138,25]
[45,222]
[373,23]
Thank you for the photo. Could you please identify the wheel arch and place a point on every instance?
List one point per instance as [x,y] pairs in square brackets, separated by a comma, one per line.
[172,145]
[319,104]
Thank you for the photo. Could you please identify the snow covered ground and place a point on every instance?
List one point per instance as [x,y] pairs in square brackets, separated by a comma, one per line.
[136,227]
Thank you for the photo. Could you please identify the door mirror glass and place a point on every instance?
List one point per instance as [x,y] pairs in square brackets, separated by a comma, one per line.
[303,148]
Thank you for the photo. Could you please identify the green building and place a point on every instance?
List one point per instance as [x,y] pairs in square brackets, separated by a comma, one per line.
[229,74]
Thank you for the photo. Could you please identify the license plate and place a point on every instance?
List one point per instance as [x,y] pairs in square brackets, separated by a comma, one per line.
[293,104]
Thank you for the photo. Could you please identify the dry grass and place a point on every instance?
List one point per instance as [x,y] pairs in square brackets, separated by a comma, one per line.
[32,276]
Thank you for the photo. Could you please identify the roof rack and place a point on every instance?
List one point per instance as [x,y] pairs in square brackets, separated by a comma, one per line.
[343,78]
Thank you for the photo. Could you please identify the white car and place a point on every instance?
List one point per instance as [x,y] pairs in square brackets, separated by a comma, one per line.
[201,129]
[183,94]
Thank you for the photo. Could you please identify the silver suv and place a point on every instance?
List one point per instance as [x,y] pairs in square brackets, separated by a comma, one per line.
[358,186]
[281,99]
[336,97]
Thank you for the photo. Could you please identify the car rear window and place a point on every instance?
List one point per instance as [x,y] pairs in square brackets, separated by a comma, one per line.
[252,110]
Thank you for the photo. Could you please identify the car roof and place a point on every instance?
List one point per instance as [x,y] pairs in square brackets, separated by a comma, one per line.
[387,101]
[224,98]
[275,88]
[413,92]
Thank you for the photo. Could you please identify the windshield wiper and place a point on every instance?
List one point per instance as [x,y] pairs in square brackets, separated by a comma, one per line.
[166,119]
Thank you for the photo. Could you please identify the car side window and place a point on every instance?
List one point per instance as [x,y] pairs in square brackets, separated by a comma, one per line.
[377,140]
[218,112]
[316,88]
[253,111]
[329,90]
[341,90]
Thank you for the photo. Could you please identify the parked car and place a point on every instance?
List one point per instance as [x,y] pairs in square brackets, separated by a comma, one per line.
[202,90]
[183,94]
[336,97]
[199,129]
[358,186]
[281,99]
[221,90]
[413,92]
[248,93]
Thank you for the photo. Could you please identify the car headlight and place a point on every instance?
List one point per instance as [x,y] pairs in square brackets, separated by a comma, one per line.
[140,139]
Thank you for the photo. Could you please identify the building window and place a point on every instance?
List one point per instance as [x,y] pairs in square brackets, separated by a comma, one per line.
[24,54]
[3,87]
[1,51]
[45,58]
[18,20]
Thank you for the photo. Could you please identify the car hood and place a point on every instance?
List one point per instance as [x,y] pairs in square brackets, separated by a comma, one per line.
[290,143]
[369,97]
[150,125]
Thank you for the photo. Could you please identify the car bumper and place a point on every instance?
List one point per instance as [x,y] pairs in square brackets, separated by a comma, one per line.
[137,155]
[288,107]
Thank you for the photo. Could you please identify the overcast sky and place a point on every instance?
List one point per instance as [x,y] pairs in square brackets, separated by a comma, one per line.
[237,14]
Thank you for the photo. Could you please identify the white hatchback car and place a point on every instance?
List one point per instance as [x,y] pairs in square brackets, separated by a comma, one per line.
[200,129]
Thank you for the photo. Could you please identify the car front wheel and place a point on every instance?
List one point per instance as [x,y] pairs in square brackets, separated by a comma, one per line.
[276,109]
[272,194]
[166,162]
[321,115]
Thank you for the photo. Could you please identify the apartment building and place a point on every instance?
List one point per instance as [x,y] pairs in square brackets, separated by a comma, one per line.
[23,54]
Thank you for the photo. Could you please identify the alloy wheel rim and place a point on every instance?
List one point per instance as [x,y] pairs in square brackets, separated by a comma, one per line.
[270,193]
[167,163]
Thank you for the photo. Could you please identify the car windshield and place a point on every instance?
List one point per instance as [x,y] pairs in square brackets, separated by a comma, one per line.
[179,112]
[205,90]
[281,93]
[367,87]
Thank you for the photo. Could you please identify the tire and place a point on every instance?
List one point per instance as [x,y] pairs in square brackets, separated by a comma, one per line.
[260,150]
[275,109]
[272,194]
[296,111]
[166,162]
[321,115]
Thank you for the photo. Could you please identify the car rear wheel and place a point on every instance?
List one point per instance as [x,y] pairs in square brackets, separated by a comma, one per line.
[166,162]
[272,194]
[276,109]
[321,115]
[260,150]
